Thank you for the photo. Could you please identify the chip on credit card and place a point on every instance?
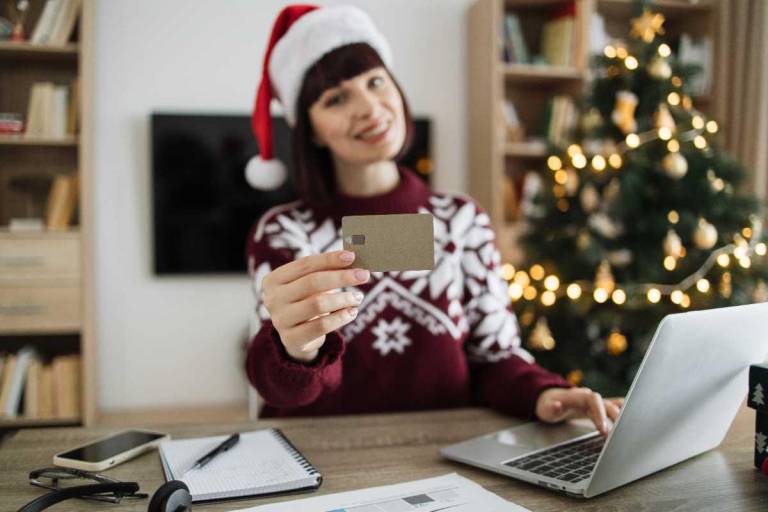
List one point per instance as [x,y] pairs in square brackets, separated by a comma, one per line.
[386,243]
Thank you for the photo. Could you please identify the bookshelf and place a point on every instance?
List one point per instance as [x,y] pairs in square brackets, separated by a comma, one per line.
[46,275]
[496,78]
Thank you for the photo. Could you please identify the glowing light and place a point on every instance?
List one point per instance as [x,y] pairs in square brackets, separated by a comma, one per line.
[745,262]
[619,296]
[521,278]
[761,249]
[670,263]
[548,298]
[673,216]
[673,98]
[665,133]
[712,126]
[552,283]
[515,291]
[723,260]
[554,163]
[562,205]
[673,146]
[507,271]
[631,63]
[697,122]
[537,272]
[621,52]
[616,343]
[676,297]
[665,50]
[561,177]
[598,162]
[686,302]
[703,285]
[677,81]
[600,295]
[740,252]
[700,142]
[530,293]
[633,140]
[654,295]
[747,232]
[573,291]
[574,149]
[610,52]
[579,161]
[615,160]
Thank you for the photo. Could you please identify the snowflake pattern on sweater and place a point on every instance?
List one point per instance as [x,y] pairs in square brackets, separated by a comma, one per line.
[461,305]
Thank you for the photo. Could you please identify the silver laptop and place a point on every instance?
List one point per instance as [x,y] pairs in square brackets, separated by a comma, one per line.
[682,402]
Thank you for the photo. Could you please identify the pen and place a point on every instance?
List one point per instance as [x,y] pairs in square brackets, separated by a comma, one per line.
[226,445]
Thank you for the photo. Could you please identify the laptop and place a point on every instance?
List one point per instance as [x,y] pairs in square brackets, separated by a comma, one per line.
[684,397]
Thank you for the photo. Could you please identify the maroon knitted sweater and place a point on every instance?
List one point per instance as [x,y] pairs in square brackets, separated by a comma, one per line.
[421,340]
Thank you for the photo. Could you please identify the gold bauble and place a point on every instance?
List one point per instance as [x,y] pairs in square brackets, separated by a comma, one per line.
[673,246]
[660,68]
[616,344]
[675,165]
[541,337]
[705,235]
[663,118]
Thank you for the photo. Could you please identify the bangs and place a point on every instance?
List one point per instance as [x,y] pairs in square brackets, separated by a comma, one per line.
[333,68]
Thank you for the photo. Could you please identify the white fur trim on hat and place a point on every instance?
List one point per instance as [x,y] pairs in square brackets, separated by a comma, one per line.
[265,174]
[312,36]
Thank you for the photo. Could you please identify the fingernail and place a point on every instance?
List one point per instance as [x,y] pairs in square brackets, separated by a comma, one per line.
[352,313]
[606,427]
[361,275]
[358,296]
[347,256]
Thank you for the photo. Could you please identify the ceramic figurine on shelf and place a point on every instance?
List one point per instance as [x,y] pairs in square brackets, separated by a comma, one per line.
[21,8]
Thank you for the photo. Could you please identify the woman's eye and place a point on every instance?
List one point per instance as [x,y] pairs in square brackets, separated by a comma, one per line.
[377,81]
[334,99]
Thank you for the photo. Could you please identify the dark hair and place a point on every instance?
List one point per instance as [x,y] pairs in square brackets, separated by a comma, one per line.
[315,178]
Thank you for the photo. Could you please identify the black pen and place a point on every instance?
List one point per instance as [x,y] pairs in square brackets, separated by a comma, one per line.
[226,445]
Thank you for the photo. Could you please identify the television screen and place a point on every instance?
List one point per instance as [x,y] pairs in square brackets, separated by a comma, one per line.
[203,207]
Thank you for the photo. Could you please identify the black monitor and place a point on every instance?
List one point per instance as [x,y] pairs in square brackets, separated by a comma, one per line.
[203,207]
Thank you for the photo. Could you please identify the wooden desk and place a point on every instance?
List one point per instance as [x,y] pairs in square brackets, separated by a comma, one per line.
[363,451]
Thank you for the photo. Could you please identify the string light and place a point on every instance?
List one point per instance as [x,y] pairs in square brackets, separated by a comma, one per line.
[654,295]
[676,297]
[761,249]
[615,160]
[700,142]
[712,126]
[530,293]
[673,216]
[598,162]
[554,163]
[600,295]
[633,140]
[619,296]
[665,133]
[673,99]
[673,146]
[747,232]
[515,291]
[507,271]
[621,52]
[610,52]
[548,298]
[552,283]
[686,302]
[631,63]
[579,161]
[670,263]
[723,260]
[665,50]
[697,122]
[573,149]
[702,285]
[718,184]
[561,177]
[677,81]
[745,262]
[616,343]
[573,291]
[521,277]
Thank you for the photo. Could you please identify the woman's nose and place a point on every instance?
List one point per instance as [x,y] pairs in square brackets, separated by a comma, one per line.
[367,105]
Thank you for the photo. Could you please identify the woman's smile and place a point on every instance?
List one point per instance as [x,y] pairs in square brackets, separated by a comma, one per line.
[374,132]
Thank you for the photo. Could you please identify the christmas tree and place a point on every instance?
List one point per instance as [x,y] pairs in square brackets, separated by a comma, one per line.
[640,216]
[757,396]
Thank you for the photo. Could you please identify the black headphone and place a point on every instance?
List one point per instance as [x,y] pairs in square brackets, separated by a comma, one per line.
[172,496]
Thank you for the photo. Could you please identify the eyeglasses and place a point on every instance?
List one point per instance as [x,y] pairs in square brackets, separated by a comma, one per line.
[95,487]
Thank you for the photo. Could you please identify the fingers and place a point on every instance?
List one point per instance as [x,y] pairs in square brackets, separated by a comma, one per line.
[322,281]
[315,306]
[584,401]
[303,266]
[612,410]
[296,338]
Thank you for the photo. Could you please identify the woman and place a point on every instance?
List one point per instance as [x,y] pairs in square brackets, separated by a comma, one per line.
[334,339]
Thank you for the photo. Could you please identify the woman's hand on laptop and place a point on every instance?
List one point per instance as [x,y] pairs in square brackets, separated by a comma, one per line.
[558,404]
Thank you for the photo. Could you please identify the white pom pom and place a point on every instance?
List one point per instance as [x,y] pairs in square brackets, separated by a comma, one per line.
[265,174]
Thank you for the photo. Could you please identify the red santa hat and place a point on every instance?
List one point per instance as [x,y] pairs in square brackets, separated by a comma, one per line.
[301,35]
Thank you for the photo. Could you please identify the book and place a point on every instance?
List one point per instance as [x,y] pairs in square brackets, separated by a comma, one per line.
[65,23]
[66,385]
[44,26]
[514,43]
[263,462]
[13,382]
[45,399]
[32,390]
[62,202]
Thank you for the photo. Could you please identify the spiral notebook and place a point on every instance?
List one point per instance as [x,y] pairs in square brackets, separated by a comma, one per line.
[262,462]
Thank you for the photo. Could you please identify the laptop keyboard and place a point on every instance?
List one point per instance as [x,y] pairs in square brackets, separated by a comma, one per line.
[572,462]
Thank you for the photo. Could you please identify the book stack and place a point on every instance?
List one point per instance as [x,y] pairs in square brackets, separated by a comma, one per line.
[34,388]
[515,49]
[53,110]
[557,38]
[57,22]
[758,400]
[562,116]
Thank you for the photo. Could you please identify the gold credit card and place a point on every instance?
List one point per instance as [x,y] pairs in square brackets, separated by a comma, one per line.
[385,243]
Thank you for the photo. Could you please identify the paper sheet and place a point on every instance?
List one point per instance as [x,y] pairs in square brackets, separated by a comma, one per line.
[449,492]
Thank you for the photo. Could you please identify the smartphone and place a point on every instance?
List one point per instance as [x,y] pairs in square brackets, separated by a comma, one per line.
[110,450]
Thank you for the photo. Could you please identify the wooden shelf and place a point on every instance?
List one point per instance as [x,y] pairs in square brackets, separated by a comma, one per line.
[525,149]
[537,74]
[21,422]
[35,140]
[28,50]
[625,9]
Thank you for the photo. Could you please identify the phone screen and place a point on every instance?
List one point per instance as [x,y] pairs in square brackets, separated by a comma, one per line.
[111,446]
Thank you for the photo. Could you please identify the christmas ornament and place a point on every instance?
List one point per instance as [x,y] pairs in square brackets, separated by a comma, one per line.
[602,224]
[623,114]
[673,246]
[590,198]
[663,118]
[761,292]
[575,377]
[659,68]
[541,337]
[616,344]
[705,235]
[647,26]
[604,277]
[675,165]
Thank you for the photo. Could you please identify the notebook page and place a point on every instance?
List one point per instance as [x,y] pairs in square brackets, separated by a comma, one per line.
[258,460]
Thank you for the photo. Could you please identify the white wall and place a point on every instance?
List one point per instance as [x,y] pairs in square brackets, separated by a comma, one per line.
[176,340]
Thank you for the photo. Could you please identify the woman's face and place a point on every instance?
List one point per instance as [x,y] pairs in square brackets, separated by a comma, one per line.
[360,120]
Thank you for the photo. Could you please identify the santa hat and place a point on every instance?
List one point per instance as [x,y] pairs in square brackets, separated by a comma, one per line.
[301,36]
